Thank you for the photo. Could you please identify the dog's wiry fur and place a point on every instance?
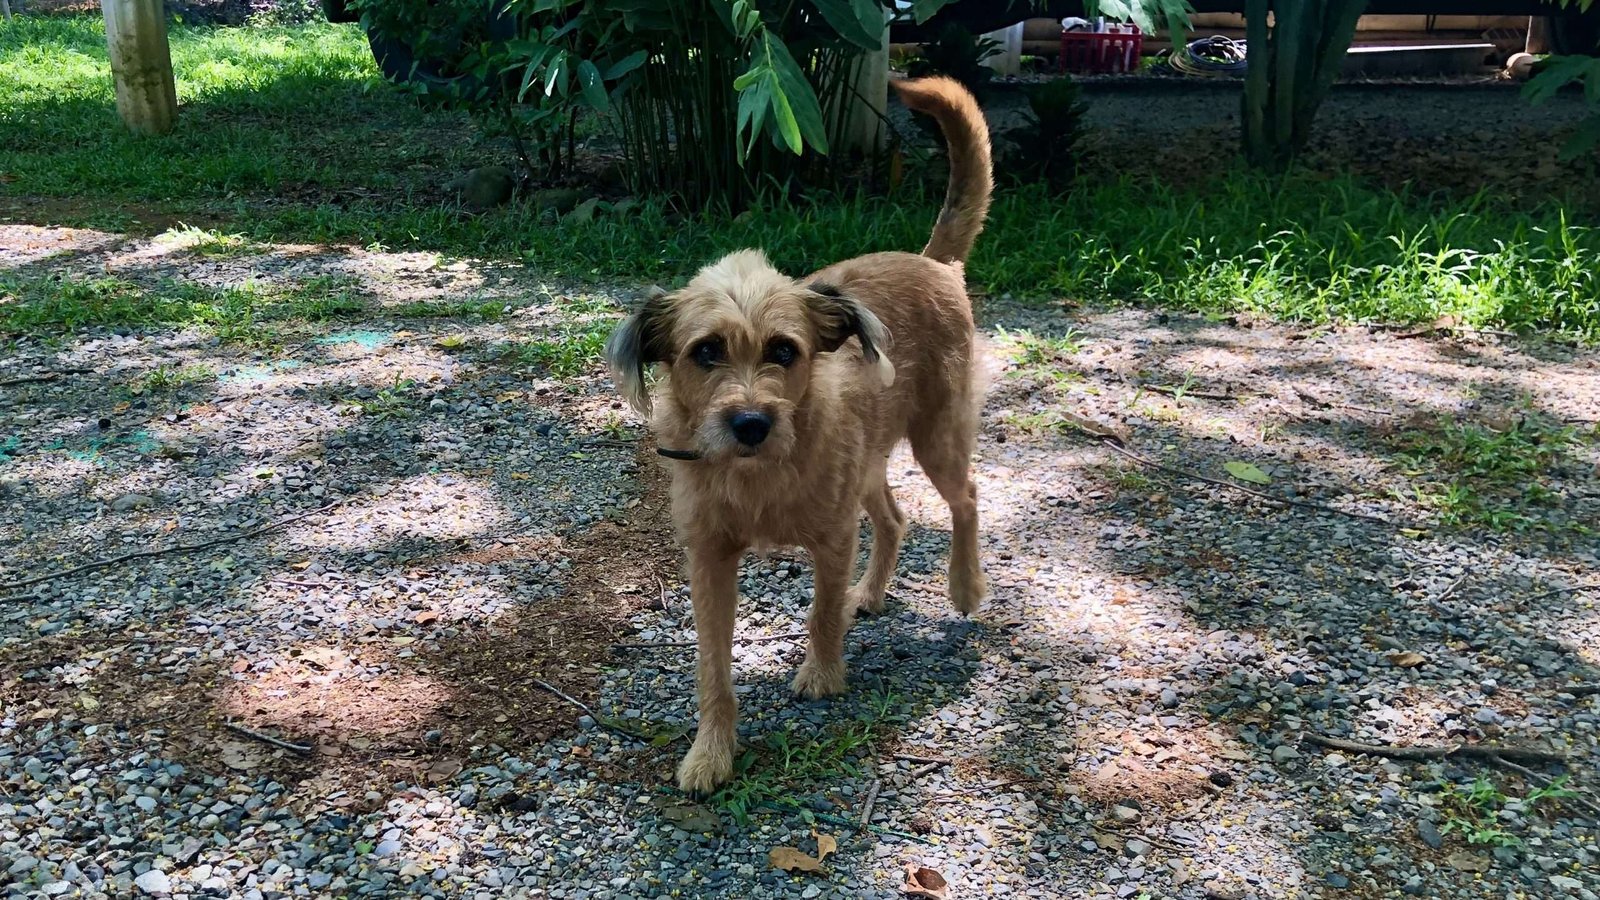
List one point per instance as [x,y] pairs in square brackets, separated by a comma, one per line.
[844,363]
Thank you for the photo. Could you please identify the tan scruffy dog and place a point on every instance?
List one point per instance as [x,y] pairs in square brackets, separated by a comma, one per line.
[782,400]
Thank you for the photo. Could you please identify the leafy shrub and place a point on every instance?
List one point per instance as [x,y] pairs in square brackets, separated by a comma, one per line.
[959,54]
[1047,147]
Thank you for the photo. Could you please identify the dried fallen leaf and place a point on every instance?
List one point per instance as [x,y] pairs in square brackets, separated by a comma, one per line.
[791,860]
[426,617]
[443,769]
[922,881]
[1246,472]
[40,715]
[1468,862]
[1407,660]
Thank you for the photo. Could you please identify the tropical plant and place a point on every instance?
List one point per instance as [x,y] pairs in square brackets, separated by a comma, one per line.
[1048,145]
[1557,72]
[715,101]
[959,54]
[1291,66]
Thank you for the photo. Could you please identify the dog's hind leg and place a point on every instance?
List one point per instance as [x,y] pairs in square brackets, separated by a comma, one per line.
[822,673]
[888,529]
[714,591]
[943,448]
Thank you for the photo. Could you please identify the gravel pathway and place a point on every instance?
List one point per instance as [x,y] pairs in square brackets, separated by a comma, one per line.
[467,532]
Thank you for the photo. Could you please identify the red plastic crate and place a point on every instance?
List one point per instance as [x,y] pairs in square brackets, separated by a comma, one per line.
[1101,52]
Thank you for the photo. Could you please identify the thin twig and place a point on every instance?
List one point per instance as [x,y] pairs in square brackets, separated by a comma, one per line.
[872,798]
[1447,592]
[1468,751]
[758,639]
[568,697]
[176,548]
[1116,445]
[928,769]
[18,598]
[922,759]
[30,379]
[1150,839]
[1314,400]
[265,738]
[1179,393]
[952,795]
[1582,690]
[297,583]
[607,442]
[1577,588]
[1546,781]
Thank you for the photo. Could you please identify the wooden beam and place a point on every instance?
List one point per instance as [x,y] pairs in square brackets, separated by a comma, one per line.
[141,64]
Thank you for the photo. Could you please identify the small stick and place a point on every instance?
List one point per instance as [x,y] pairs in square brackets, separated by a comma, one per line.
[1445,594]
[265,738]
[1469,751]
[1314,400]
[1116,445]
[922,759]
[952,795]
[304,584]
[1582,690]
[872,798]
[1150,839]
[175,548]
[567,697]
[18,598]
[1537,778]
[30,379]
[928,769]
[1179,393]
[1574,589]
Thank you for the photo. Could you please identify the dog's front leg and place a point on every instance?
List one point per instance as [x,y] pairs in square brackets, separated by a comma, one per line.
[714,590]
[822,673]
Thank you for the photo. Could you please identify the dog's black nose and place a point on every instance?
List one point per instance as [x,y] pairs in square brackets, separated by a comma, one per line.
[751,428]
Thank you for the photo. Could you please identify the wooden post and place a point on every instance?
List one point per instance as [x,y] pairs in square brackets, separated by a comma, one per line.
[865,131]
[141,64]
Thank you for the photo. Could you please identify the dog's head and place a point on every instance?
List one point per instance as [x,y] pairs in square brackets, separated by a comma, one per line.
[739,344]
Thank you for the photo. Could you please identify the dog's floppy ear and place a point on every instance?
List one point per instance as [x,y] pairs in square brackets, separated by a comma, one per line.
[839,317]
[641,340]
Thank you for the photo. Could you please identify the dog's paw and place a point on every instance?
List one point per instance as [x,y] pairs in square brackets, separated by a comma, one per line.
[705,768]
[968,590]
[862,600]
[816,680]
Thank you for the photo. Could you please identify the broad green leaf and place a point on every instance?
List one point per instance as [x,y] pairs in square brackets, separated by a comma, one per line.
[556,74]
[798,94]
[923,10]
[593,86]
[627,64]
[1584,139]
[858,21]
[1246,472]
[783,114]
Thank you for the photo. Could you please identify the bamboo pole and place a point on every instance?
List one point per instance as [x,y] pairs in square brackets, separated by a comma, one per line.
[141,64]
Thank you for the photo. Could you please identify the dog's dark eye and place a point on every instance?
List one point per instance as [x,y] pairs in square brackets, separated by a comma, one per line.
[781,353]
[707,353]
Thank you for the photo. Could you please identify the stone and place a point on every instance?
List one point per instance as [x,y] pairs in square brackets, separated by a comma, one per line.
[130,502]
[486,187]
[154,881]
[1283,753]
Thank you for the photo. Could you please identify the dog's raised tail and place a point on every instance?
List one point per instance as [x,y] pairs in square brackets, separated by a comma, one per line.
[966,135]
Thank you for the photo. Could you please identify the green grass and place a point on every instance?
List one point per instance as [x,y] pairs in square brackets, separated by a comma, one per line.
[289,134]
[1488,475]
[47,305]
[791,762]
[1473,811]
[165,379]
[570,349]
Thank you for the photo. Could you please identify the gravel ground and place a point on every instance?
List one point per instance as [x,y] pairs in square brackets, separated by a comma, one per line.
[1126,718]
